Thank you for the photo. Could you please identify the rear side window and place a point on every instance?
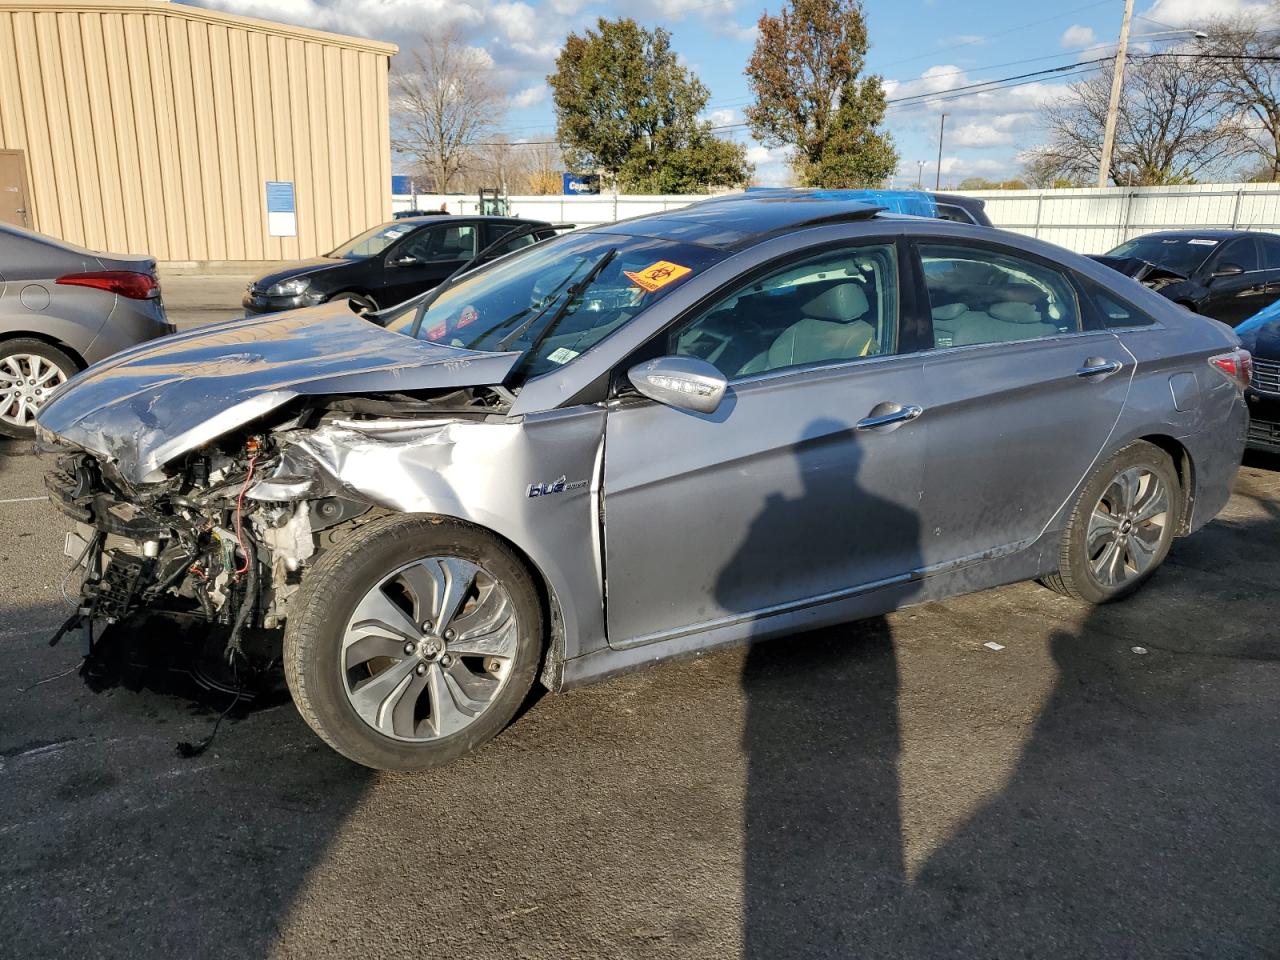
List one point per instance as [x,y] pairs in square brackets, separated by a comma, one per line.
[981,295]
[1270,252]
[1115,313]
[949,211]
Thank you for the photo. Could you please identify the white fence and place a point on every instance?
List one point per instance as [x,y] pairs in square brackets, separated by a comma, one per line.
[1094,220]
[1087,220]
[585,211]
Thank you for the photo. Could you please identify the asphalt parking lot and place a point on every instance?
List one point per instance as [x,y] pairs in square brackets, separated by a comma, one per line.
[1106,784]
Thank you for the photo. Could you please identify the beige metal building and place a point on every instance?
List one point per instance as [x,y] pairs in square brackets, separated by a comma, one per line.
[155,127]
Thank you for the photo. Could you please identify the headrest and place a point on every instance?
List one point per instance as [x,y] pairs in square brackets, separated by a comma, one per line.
[1011,311]
[949,311]
[843,302]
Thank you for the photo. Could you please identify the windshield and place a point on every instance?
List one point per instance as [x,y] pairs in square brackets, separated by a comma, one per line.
[557,299]
[1180,254]
[372,242]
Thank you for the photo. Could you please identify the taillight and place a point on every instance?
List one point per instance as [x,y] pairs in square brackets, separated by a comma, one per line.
[1238,365]
[127,283]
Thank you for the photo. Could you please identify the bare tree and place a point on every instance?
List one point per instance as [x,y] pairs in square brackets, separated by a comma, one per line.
[1248,83]
[444,103]
[1172,126]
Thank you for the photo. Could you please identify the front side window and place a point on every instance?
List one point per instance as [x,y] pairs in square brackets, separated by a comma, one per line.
[981,295]
[1241,253]
[441,244]
[556,300]
[838,306]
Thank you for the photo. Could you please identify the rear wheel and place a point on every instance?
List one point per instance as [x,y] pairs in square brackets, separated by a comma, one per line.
[360,303]
[1121,527]
[413,642]
[29,371]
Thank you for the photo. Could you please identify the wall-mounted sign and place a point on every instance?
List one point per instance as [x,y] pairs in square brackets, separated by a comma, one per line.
[579,183]
[282,210]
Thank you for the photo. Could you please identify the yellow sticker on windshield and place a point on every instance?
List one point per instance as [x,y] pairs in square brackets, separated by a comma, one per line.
[657,275]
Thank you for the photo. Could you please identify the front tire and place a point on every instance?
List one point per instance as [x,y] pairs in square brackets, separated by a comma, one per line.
[360,303]
[1121,527]
[413,642]
[30,369]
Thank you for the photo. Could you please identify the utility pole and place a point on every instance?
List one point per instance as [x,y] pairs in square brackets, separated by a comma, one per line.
[920,174]
[942,126]
[1113,108]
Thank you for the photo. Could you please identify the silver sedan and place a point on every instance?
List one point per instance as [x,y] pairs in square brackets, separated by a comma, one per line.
[735,421]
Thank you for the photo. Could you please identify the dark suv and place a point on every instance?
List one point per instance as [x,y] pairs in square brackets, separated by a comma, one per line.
[390,263]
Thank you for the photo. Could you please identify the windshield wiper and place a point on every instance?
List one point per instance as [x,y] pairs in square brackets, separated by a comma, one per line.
[571,297]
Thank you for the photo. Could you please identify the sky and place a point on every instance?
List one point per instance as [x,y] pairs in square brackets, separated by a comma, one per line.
[919,47]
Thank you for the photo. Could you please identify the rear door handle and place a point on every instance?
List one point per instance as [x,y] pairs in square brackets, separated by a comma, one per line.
[885,416]
[1098,368]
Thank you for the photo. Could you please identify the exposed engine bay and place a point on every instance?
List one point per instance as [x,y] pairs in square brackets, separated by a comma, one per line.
[226,535]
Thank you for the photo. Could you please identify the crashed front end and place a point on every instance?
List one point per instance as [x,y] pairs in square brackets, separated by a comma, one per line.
[214,510]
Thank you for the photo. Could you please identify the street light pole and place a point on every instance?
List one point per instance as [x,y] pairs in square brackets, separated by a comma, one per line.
[1113,108]
[942,126]
[919,174]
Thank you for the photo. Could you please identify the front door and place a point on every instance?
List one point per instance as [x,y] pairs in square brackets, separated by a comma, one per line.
[424,259]
[793,490]
[1234,298]
[1021,399]
[15,197]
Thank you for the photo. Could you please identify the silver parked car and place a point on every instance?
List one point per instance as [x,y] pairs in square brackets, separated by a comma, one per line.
[62,308]
[733,421]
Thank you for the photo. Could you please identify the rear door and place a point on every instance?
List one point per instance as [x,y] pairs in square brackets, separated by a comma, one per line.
[1020,397]
[792,493]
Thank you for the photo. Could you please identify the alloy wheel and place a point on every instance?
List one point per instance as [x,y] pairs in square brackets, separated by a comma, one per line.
[429,648]
[26,380]
[1126,526]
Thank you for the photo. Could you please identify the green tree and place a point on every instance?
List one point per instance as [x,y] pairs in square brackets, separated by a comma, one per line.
[626,107]
[806,75]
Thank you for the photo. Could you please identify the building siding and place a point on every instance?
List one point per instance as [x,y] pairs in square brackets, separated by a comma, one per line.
[154,127]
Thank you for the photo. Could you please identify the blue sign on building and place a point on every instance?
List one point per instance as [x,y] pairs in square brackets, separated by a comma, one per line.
[401,184]
[580,183]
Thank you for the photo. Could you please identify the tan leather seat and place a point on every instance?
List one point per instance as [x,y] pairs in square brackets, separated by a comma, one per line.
[1003,322]
[830,330]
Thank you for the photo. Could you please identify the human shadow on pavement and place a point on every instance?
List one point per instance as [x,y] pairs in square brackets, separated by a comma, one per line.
[821,832]
[1140,818]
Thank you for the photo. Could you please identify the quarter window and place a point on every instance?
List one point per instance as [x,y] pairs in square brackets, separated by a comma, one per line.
[980,295]
[838,306]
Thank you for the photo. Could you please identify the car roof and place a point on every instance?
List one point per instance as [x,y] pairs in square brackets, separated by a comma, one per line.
[465,218]
[740,220]
[1216,233]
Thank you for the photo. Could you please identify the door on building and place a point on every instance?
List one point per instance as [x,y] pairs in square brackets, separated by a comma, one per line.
[15,197]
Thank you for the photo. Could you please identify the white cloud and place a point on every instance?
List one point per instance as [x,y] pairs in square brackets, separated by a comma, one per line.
[1185,13]
[529,96]
[722,117]
[1078,36]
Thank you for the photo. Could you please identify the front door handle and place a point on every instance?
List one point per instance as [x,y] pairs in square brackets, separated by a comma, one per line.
[886,416]
[1098,368]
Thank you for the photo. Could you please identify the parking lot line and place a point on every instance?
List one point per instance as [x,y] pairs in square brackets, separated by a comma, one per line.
[24,499]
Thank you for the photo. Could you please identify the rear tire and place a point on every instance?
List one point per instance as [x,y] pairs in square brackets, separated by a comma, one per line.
[360,303]
[30,370]
[368,675]
[1121,526]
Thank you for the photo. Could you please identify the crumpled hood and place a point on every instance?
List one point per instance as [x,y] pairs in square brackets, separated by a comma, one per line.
[145,406]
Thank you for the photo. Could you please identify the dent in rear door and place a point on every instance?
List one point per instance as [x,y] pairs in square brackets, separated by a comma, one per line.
[1013,430]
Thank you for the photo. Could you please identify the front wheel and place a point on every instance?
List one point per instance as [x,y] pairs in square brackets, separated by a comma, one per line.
[413,642]
[359,302]
[1121,527]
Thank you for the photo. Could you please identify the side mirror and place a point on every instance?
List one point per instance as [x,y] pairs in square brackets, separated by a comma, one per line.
[685,383]
[1228,270]
[405,261]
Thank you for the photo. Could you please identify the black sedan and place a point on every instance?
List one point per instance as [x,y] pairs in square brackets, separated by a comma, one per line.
[392,262]
[1225,274]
